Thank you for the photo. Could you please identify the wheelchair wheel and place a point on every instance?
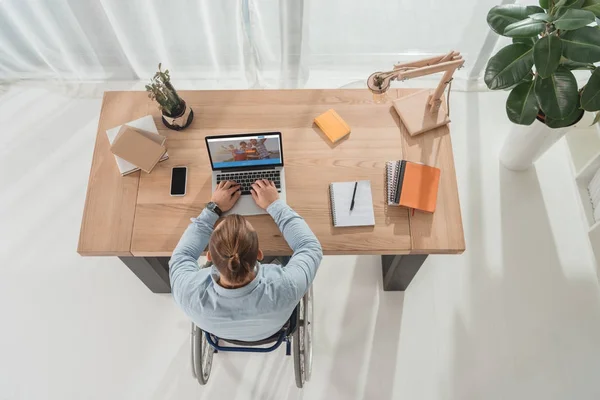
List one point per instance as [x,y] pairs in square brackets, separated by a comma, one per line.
[202,355]
[302,340]
[308,318]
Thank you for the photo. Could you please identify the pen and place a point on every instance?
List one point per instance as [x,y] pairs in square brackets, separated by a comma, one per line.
[353,196]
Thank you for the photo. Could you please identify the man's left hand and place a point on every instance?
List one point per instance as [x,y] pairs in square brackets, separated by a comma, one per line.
[226,195]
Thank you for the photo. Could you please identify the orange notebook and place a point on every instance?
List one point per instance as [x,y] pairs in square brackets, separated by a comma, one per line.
[413,185]
[332,125]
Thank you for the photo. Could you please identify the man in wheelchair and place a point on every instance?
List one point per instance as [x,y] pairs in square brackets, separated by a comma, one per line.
[239,298]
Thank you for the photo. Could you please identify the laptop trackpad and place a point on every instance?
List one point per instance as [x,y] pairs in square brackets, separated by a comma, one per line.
[246,206]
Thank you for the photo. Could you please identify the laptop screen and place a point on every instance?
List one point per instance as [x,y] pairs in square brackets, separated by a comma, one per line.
[245,151]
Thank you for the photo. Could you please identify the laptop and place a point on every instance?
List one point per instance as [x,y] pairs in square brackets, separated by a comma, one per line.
[245,158]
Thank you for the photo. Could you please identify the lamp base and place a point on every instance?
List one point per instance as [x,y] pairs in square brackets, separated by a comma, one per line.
[416,114]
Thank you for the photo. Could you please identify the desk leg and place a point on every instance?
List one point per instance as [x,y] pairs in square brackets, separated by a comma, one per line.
[152,271]
[399,270]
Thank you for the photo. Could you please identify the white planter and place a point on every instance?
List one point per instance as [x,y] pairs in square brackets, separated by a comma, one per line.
[525,144]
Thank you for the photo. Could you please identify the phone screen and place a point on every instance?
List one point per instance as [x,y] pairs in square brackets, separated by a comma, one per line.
[178,180]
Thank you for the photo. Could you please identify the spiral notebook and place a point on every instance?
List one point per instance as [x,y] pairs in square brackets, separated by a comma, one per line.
[391,168]
[341,198]
[412,185]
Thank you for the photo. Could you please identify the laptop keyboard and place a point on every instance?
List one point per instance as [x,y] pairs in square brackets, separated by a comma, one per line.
[245,179]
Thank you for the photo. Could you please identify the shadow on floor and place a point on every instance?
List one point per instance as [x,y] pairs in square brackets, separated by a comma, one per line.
[368,346]
[529,326]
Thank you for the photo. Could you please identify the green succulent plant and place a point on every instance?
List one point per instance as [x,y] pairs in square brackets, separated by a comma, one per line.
[161,90]
[548,43]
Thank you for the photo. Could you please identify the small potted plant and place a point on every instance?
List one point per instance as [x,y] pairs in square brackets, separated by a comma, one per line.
[175,113]
[548,43]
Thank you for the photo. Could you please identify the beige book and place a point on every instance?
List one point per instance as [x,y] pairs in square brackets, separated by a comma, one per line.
[145,124]
[141,148]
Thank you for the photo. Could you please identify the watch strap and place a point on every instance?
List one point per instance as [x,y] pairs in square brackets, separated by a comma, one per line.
[215,208]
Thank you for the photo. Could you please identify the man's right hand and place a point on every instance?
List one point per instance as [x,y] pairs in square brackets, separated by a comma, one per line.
[226,195]
[264,193]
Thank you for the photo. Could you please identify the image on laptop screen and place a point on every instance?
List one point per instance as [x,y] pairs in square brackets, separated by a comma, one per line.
[245,151]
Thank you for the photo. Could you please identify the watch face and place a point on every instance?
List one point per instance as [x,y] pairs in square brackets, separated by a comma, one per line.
[213,207]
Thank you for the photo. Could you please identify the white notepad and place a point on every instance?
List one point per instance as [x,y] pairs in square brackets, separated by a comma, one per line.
[341,198]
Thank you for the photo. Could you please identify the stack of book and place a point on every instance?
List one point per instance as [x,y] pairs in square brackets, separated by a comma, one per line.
[412,185]
[594,192]
[137,145]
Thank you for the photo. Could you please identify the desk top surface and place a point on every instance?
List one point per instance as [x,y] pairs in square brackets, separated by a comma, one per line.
[135,215]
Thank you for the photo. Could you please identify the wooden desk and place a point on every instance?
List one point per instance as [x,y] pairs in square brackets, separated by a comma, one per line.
[135,218]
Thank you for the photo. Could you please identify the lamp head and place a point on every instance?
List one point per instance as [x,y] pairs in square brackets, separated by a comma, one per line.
[379,82]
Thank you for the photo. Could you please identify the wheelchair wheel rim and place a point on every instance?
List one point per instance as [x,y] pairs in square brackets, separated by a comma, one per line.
[308,333]
[302,340]
[207,356]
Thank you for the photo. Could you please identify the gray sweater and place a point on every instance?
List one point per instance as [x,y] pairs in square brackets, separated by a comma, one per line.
[259,309]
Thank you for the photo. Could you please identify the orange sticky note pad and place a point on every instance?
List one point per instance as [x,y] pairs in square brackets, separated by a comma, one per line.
[334,127]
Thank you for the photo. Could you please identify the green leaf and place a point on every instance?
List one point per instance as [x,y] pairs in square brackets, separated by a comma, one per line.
[582,45]
[546,55]
[559,12]
[557,94]
[522,105]
[593,6]
[509,66]
[574,19]
[545,4]
[572,65]
[571,119]
[499,17]
[528,78]
[569,3]
[526,28]
[541,17]
[528,41]
[590,98]
[597,119]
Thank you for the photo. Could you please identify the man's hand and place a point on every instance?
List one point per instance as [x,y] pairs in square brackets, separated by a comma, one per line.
[264,193]
[226,195]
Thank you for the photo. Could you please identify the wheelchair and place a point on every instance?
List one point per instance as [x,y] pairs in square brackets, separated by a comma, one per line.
[297,334]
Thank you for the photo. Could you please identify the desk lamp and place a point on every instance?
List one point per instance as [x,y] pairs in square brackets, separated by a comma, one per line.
[423,110]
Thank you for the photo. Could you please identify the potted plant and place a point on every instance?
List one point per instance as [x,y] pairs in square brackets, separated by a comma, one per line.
[548,43]
[175,113]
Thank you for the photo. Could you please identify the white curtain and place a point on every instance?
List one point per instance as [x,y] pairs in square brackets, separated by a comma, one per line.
[264,43]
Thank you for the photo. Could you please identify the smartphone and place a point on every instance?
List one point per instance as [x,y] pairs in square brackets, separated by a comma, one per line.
[178,181]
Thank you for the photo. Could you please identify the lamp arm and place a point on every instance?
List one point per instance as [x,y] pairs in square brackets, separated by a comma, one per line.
[431,69]
[435,99]
[379,82]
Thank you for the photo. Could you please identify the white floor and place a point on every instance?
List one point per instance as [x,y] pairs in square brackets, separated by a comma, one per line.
[516,317]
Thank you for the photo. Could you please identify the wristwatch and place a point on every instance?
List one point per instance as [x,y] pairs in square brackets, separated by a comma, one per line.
[212,206]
